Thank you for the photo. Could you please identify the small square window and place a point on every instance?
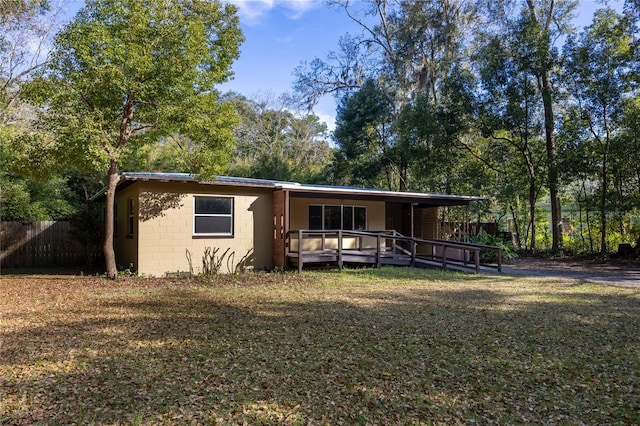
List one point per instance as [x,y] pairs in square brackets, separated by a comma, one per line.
[213,216]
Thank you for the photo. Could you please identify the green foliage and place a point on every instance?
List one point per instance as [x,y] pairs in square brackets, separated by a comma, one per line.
[275,143]
[31,189]
[598,80]
[508,251]
[364,138]
[125,73]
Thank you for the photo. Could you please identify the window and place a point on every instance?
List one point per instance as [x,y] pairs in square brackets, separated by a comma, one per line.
[315,217]
[213,216]
[337,217]
[332,219]
[130,217]
[354,218]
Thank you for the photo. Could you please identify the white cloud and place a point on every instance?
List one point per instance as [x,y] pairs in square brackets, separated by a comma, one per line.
[328,119]
[252,11]
[297,8]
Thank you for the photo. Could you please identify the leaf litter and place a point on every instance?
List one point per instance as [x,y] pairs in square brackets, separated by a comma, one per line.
[359,347]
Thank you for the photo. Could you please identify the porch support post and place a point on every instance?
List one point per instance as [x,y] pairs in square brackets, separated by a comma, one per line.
[412,232]
[300,257]
[285,226]
[340,250]
[444,256]
[467,225]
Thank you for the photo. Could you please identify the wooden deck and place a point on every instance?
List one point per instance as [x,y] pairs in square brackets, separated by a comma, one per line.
[378,248]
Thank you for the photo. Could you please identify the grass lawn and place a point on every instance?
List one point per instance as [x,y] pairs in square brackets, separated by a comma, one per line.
[390,346]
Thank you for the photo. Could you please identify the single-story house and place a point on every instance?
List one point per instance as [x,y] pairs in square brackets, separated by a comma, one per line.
[165,223]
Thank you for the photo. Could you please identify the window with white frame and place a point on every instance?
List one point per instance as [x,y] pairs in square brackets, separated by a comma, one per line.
[213,216]
[337,217]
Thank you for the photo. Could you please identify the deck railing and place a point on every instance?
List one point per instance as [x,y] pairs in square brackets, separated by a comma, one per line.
[385,247]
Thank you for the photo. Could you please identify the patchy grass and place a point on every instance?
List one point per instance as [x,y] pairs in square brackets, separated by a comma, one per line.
[394,346]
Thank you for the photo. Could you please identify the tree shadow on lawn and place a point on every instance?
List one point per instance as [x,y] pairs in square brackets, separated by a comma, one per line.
[421,355]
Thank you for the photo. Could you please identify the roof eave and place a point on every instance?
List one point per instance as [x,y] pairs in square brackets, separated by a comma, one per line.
[297,188]
[412,197]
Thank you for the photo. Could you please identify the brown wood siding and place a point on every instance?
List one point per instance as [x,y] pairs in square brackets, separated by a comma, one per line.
[428,223]
[394,216]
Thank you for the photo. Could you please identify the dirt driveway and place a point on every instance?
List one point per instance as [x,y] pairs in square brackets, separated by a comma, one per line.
[614,272]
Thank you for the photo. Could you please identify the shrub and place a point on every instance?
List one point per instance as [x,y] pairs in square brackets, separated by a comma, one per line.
[486,256]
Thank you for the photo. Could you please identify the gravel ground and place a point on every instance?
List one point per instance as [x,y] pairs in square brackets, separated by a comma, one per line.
[614,272]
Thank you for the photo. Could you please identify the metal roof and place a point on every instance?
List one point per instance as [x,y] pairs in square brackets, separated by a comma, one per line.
[327,191]
[187,177]
[297,189]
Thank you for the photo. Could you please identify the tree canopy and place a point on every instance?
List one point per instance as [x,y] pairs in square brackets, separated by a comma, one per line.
[484,96]
[497,98]
[125,73]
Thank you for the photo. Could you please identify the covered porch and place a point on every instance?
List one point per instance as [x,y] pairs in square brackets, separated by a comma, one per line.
[321,225]
[390,248]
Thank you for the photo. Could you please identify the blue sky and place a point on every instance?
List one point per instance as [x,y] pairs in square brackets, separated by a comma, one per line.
[280,34]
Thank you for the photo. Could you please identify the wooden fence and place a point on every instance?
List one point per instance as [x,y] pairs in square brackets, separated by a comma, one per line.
[44,244]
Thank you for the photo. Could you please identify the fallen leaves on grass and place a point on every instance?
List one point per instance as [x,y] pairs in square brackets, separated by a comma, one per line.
[358,347]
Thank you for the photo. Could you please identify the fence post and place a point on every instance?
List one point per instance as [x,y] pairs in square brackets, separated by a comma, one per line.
[444,256]
[414,245]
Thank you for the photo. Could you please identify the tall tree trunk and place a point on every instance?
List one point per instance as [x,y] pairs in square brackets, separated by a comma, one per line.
[546,90]
[580,207]
[603,200]
[532,213]
[107,247]
[586,202]
[514,217]
[112,183]
[552,161]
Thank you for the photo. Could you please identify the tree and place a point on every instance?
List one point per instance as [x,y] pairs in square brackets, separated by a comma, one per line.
[407,50]
[24,35]
[598,66]
[126,72]
[542,23]
[364,139]
[535,26]
[275,143]
[510,115]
